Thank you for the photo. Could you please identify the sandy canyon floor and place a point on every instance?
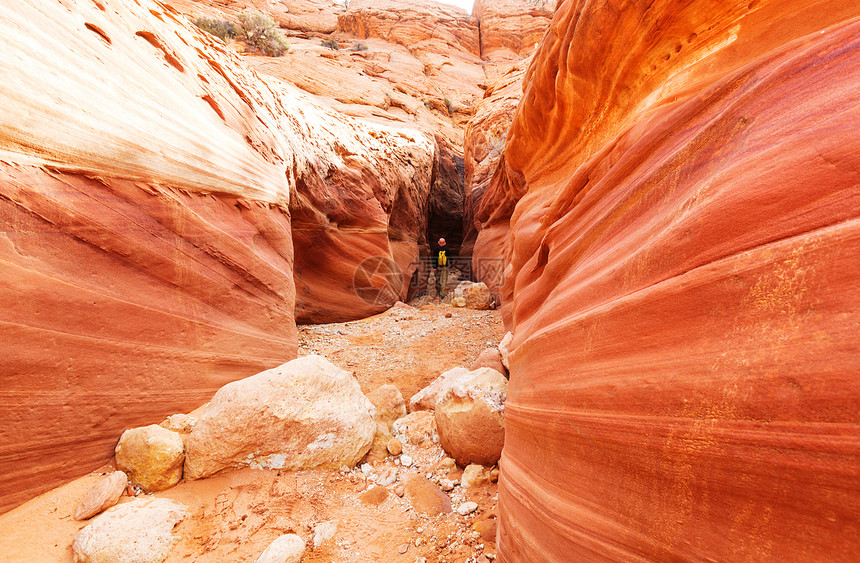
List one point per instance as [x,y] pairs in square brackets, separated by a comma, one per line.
[235,515]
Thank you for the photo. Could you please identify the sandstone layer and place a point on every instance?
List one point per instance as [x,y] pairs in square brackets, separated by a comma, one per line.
[147,181]
[678,204]
[512,25]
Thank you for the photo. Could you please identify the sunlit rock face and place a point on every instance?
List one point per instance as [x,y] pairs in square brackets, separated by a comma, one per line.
[147,183]
[411,23]
[678,204]
[515,26]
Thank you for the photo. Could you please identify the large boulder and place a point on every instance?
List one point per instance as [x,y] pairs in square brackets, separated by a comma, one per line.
[470,418]
[102,495]
[140,531]
[304,414]
[152,456]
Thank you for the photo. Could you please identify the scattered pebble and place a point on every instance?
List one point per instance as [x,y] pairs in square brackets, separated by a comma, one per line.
[324,532]
[403,548]
[405,460]
[467,508]
[395,446]
[387,476]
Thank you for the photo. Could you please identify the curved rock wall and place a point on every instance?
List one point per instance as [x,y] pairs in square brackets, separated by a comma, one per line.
[360,219]
[147,182]
[679,205]
[516,26]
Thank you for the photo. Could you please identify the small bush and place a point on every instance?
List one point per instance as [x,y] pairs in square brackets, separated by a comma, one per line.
[359,46]
[449,105]
[261,33]
[331,44]
[222,29]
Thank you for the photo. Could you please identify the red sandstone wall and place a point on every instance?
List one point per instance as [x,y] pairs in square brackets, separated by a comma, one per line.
[147,182]
[679,203]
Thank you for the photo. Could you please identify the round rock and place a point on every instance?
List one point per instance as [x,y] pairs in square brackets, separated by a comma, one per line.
[152,457]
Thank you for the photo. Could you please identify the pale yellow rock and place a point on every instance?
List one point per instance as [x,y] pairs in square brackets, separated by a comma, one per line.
[140,531]
[395,447]
[288,548]
[478,296]
[102,495]
[474,475]
[152,456]
[304,414]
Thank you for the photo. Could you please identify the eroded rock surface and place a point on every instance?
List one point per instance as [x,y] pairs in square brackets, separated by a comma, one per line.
[678,203]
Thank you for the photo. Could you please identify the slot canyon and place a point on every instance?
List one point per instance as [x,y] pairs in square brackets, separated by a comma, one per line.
[226,330]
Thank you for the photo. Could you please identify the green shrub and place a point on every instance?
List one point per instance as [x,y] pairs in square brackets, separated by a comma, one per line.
[331,44]
[261,33]
[449,105]
[223,29]
[359,46]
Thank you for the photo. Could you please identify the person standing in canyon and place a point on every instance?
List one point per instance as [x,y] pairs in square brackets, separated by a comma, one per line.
[441,257]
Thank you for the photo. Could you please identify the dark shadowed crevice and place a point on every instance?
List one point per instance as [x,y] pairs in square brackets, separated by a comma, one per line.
[445,206]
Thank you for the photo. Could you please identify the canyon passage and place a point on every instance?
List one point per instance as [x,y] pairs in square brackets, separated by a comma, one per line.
[220,315]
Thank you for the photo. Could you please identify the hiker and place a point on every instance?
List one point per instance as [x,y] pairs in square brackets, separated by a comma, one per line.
[441,257]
